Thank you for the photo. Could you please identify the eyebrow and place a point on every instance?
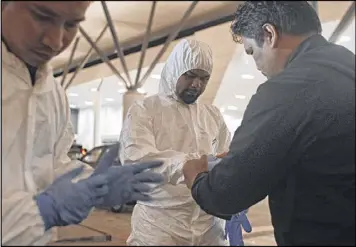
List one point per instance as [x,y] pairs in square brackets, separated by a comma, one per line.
[48,11]
[44,10]
[189,72]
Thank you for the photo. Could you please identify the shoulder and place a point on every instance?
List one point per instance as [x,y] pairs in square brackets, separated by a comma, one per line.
[212,111]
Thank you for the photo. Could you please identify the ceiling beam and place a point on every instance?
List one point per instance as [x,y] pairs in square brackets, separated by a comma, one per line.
[158,40]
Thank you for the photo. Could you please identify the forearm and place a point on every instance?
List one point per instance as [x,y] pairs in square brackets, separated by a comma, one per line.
[209,205]
[172,169]
[228,189]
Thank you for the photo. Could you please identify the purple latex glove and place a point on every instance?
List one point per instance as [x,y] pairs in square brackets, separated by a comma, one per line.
[233,228]
[212,161]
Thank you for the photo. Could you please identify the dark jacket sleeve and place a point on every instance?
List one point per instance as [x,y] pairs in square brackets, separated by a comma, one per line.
[258,152]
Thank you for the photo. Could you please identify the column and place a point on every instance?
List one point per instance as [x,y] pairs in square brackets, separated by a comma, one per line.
[128,98]
[97,110]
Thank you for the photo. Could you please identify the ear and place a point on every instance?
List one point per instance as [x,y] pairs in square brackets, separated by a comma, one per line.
[270,35]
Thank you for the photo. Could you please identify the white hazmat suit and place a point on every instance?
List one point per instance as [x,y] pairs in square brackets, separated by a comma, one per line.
[36,136]
[163,127]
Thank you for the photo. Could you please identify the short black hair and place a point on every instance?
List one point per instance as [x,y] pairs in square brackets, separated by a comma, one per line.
[288,17]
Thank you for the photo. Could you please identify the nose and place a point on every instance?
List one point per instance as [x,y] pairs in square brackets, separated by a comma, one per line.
[196,83]
[53,38]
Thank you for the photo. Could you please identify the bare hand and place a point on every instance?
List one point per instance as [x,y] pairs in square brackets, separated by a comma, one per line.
[193,167]
[222,155]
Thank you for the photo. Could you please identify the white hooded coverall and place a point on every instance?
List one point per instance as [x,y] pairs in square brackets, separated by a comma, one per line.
[162,127]
[36,137]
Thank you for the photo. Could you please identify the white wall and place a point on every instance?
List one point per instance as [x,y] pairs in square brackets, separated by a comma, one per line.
[110,124]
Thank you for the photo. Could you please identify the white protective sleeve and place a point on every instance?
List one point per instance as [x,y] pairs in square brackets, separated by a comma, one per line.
[224,137]
[137,143]
[20,209]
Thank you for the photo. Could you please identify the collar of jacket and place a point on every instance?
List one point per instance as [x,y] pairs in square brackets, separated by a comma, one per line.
[44,76]
[310,43]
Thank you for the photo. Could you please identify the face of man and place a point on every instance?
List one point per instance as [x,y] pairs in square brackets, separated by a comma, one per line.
[191,85]
[37,31]
[271,56]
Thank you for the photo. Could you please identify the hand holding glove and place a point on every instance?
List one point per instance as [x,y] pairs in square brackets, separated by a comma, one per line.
[130,183]
[212,161]
[65,203]
[126,183]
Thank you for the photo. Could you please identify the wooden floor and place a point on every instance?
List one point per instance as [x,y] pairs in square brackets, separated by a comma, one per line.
[102,222]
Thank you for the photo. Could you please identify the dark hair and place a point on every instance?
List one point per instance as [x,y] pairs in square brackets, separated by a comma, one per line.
[288,17]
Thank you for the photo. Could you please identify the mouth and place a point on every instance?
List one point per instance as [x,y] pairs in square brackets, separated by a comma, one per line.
[43,56]
[192,92]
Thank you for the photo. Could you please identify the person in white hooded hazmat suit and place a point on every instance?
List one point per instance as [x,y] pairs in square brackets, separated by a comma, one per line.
[173,127]
[36,173]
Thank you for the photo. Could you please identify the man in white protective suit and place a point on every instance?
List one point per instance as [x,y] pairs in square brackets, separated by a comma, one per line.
[41,187]
[173,127]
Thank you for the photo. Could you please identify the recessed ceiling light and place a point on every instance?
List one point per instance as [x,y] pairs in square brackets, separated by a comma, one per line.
[123,90]
[72,106]
[156,77]
[247,76]
[238,96]
[94,89]
[73,94]
[109,99]
[222,109]
[233,108]
[88,103]
[344,39]
[141,90]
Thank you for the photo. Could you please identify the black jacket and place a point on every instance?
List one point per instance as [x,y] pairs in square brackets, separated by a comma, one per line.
[296,145]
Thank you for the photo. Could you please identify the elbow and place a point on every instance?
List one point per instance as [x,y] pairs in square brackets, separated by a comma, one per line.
[218,201]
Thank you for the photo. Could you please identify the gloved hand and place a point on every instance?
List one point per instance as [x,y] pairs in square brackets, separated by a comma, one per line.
[233,228]
[107,160]
[129,183]
[126,183]
[212,161]
[65,202]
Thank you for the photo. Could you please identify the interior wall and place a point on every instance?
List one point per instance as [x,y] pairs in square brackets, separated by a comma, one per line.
[110,124]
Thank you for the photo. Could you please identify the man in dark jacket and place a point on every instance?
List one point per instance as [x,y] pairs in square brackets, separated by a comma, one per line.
[296,142]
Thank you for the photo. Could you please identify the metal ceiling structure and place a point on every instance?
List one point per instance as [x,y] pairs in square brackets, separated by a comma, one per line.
[172,33]
[207,14]
[344,22]
[139,81]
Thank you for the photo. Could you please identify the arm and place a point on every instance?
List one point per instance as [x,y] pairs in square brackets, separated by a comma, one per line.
[22,223]
[255,163]
[20,209]
[137,143]
[224,137]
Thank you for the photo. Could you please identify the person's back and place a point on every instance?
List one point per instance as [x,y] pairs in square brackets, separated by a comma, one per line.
[296,140]
[320,194]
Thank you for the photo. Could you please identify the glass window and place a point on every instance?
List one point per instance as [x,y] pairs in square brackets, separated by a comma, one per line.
[93,155]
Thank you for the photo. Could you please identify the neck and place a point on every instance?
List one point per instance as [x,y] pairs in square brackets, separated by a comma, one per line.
[30,67]
[288,45]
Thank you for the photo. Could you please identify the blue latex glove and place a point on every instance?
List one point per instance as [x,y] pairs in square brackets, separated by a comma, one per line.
[126,183]
[130,183]
[212,161]
[107,160]
[65,202]
[233,228]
